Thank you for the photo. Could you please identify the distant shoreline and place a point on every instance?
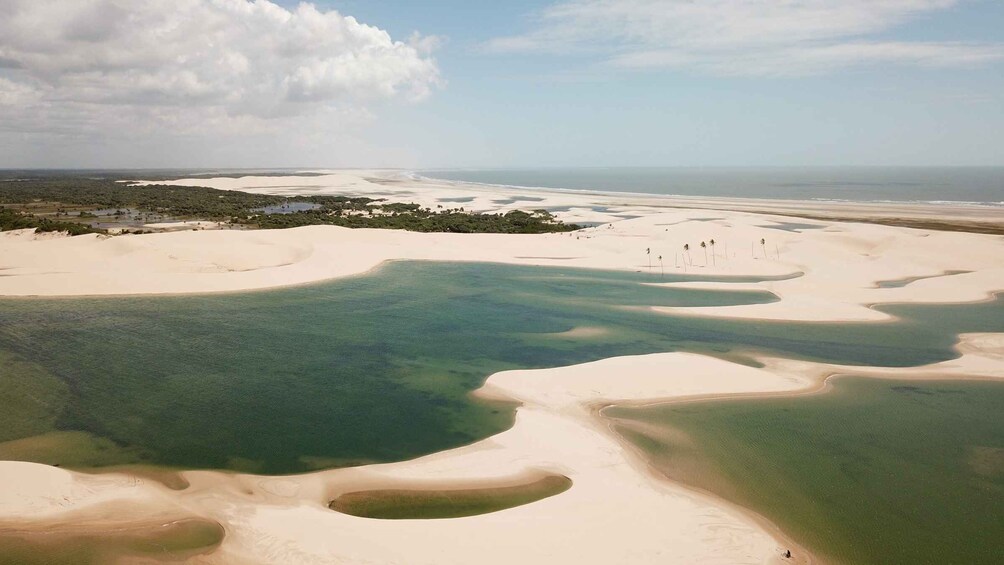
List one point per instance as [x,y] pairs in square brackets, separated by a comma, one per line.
[963,216]
[966,186]
[943,224]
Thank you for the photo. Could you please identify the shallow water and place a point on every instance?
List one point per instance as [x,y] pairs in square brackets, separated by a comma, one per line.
[978,185]
[288,208]
[875,471]
[369,368]
[796,227]
[429,503]
[900,283]
[175,542]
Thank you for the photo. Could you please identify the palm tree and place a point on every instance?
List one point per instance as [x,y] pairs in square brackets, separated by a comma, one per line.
[686,249]
[763,245]
[648,251]
[662,270]
[704,246]
[713,260]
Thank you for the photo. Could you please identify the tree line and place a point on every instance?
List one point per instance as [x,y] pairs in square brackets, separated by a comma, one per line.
[29,200]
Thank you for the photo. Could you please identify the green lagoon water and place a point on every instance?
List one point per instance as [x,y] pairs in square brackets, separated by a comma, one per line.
[370,368]
[874,471]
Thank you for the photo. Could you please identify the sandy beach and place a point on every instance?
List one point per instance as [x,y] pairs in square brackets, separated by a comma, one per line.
[617,509]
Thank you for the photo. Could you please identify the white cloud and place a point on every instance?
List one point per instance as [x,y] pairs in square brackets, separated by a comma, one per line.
[744,36]
[87,67]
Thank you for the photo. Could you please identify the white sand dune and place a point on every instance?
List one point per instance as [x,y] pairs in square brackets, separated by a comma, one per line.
[616,510]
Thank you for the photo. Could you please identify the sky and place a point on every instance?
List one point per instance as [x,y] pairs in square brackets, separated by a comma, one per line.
[564,83]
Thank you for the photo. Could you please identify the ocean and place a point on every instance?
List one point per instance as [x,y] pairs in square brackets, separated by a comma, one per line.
[978,186]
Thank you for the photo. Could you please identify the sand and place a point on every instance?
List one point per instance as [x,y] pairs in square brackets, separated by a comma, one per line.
[617,510]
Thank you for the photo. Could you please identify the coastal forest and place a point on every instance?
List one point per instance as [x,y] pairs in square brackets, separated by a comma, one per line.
[85,202]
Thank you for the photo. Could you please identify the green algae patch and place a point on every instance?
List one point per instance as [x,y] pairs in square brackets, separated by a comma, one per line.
[72,449]
[415,504]
[173,542]
[874,471]
[31,397]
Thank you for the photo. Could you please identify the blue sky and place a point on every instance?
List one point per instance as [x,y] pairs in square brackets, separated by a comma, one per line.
[545,109]
[514,84]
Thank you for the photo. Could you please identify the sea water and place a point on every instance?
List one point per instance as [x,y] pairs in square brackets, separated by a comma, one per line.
[982,186]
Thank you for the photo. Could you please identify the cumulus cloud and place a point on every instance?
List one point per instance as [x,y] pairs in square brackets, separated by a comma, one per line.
[737,37]
[181,66]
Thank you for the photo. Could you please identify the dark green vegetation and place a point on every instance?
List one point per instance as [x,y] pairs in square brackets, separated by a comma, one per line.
[68,202]
[404,504]
[371,368]
[178,201]
[17,220]
[173,542]
[413,218]
[875,471]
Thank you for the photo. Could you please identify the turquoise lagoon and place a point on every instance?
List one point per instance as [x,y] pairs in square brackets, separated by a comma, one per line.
[873,471]
[370,368]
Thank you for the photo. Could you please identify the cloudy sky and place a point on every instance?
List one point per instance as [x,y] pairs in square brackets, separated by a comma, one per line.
[233,83]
